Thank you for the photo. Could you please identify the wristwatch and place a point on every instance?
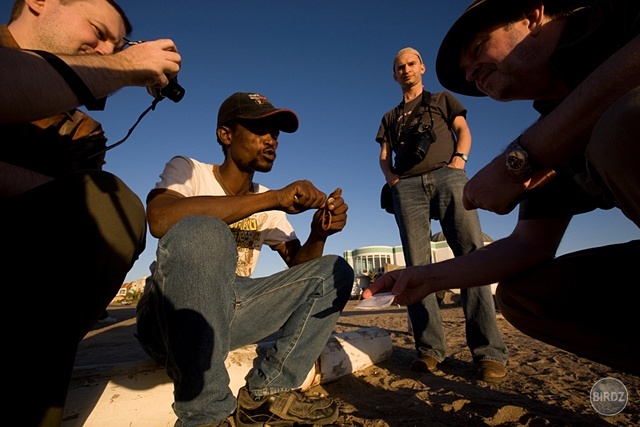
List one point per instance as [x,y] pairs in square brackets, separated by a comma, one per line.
[464,156]
[517,160]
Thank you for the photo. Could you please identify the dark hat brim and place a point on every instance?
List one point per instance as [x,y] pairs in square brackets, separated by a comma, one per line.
[479,15]
[286,120]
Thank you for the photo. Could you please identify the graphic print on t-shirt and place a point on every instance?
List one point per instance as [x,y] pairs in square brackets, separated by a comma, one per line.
[246,233]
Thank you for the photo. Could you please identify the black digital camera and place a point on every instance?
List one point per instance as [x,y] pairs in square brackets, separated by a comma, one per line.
[416,140]
[173,91]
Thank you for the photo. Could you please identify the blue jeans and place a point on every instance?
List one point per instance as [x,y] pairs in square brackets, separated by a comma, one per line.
[438,195]
[200,310]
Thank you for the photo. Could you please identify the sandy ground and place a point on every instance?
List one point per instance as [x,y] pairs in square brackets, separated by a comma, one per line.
[545,386]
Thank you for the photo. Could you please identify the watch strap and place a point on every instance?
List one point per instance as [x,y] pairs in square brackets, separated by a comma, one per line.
[464,156]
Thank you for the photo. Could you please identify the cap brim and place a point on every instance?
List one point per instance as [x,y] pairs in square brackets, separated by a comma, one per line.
[286,120]
[450,75]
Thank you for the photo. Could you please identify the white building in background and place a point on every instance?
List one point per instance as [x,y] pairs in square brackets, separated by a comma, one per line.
[370,262]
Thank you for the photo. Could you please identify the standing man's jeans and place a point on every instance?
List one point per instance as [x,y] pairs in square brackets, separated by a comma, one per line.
[438,195]
[200,310]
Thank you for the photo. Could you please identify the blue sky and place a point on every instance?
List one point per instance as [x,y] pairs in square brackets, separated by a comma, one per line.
[329,61]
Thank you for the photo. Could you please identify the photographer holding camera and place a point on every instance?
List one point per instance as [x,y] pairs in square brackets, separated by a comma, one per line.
[72,231]
[430,138]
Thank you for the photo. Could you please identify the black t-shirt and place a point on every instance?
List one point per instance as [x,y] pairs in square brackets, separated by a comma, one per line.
[397,125]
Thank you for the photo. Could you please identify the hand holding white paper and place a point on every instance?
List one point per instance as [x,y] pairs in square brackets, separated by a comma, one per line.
[381,300]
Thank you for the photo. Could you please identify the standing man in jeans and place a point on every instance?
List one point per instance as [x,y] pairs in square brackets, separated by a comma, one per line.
[429,139]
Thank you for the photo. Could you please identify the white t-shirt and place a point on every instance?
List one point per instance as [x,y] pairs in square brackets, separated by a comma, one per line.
[192,178]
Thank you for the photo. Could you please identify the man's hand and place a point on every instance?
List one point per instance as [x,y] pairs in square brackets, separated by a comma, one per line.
[300,196]
[492,189]
[155,62]
[407,284]
[331,218]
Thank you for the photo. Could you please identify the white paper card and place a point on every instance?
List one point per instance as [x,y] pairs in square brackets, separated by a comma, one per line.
[376,301]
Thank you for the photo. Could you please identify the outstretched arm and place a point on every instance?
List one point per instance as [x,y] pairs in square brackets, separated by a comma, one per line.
[32,89]
[532,242]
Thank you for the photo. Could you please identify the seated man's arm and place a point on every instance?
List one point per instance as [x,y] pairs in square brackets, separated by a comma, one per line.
[166,207]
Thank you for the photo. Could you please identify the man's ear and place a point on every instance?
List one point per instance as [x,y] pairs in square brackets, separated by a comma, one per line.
[535,17]
[224,135]
[36,6]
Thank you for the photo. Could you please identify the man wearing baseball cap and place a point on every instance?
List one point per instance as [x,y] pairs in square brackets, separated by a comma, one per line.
[201,302]
[578,61]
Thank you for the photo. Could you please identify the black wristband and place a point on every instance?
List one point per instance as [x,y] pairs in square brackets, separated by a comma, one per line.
[74,81]
[461,155]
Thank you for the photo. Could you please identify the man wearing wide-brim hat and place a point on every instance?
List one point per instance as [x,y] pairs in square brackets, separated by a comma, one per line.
[578,61]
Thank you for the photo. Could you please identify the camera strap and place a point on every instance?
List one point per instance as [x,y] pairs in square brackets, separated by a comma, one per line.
[424,103]
[85,95]
[114,145]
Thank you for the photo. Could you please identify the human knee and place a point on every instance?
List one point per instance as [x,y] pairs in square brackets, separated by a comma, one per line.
[116,211]
[615,135]
[201,238]
[503,299]
[199,228]
[342,272]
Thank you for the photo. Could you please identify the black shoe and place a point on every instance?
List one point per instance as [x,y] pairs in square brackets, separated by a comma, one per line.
[284,409]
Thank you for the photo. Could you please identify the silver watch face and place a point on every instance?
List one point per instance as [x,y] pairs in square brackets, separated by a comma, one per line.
[516,160]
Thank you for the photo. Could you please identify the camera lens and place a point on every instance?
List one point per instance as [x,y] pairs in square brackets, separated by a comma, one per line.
[173,90]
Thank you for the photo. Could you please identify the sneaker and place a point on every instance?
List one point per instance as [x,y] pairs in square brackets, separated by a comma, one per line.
[491,371]
[425,364]
[225,423]
[284,409]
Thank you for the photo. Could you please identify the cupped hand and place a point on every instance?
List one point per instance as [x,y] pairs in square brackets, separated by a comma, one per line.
[300,196]
[331,217]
